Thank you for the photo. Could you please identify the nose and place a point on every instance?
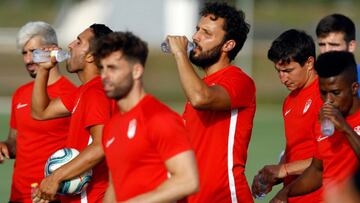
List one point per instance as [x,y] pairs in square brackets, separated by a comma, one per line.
[283,77]
[70,46]
[196,37]
[28,57]
[329,98]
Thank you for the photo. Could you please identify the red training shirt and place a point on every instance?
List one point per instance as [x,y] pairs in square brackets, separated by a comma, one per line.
[339,159]
[300,112]
[138,142]
[36,140]
[89,106]
[221,138]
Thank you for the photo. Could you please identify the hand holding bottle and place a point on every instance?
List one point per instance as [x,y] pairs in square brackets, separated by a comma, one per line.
[40,55]
[175,44]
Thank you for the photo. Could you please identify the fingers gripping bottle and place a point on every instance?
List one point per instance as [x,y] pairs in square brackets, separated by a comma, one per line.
[40,56]
[165,47]
[263,186]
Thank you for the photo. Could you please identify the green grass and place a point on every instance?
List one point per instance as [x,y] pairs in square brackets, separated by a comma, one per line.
[265,146]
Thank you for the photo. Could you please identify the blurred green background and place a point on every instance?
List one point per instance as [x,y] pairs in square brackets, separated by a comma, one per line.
[270,19]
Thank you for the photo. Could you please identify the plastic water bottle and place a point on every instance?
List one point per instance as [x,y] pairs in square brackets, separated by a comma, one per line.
[327,127]
[34,188]
[263,187]
[44,56]
[165,47]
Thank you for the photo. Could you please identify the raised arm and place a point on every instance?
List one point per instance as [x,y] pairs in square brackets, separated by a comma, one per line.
[182,182]
[200,95]
[42,106]
[332,113]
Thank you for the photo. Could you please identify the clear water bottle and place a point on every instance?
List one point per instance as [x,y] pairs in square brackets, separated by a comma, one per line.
[44,56]
[34,187]
[165,47]
[327,127]
[263,188]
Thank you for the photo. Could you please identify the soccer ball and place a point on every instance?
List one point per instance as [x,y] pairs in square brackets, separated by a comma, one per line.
[68,187]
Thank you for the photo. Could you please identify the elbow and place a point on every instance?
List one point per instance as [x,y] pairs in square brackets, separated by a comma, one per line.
[35,115]
[195,186]
[198,101]
[192,185]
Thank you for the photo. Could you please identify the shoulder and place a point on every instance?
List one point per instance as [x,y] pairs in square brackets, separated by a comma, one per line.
[234,73]
[66,82]
[154,111]
[24,88]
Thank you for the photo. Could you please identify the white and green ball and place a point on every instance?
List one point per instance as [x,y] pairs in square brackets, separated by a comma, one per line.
[68,187]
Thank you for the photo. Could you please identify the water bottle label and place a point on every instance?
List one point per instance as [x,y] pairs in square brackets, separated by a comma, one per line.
[327,127]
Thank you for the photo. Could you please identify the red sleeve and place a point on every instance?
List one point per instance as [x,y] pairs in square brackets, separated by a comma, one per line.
[240,88]
[69,100]
[170,137]
[98,107]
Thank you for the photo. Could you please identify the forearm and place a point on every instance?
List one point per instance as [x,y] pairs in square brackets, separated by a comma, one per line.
[40,97]
[109,196]
[194,88]
[183,181]
[87,159]
[11,143]
[310,181]
[354,140]
[297,167]
[169,191]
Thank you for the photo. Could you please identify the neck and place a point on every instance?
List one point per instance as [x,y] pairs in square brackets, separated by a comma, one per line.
[54,75]
[132,98]
[89,72]
[310,79]
[223,62]
[356,105]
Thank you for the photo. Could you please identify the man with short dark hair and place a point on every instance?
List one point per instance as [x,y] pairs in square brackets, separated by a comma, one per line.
[221,106]
[89,109]
[146,144]
[337,32]
[337,156]
[293,54]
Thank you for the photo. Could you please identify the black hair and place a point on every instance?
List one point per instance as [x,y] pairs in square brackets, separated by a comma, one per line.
[336,23]
[100,30]
[336,63]
[235,26]
[292,45]
[131,46]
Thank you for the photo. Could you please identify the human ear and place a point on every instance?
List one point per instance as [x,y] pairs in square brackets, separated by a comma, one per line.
[137,71]
[352,46]
[229,45]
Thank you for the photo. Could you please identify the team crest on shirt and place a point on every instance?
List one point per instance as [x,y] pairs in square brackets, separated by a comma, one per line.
[307,106]
[357,130]
[132,128]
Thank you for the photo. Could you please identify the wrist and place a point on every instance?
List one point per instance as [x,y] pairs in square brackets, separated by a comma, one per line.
[57,176]
[285,172]
[180,55]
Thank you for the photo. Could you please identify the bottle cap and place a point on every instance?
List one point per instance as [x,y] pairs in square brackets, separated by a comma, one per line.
[53,53]
[34,185]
